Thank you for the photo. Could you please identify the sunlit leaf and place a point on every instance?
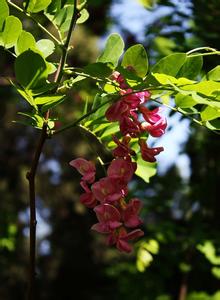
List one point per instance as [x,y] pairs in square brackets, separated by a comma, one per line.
[25,41]
[136,58]
[11,32]
[184,101]
[35,6]
[210,113]
[45,46]
[4,12]
[170,64]
[113,50]
[145,170]
[84,15]
[214,74]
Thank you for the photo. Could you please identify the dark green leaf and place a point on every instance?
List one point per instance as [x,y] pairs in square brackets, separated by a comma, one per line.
[213,125]
[31,70]
[191,68]
[100,70]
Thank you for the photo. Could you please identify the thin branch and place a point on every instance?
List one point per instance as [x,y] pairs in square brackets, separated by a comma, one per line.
[176,109]
[201,49]
[65,47]
[77,122]
[204,54]
[33,222]
[33,169]
[18,8]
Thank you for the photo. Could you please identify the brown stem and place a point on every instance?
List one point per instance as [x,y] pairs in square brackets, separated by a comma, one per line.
[33,222]
[183,288]
[33,170]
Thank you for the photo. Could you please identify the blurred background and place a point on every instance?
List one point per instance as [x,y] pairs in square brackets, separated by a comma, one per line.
[179,257]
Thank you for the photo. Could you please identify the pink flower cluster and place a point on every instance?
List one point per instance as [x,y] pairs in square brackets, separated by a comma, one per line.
[117,217]
[126,111]
[107,197]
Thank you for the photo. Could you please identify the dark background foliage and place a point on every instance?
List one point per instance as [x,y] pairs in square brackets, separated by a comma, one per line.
[73,262]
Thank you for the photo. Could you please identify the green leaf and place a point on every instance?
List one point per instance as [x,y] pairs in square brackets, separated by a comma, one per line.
[184,101]
[110,130]
[99,69]
[48,99]
[36,120]
[4,9]
[213,124]
[11,32]
[31,70]
[145,170]
[54,101]
[51,68]
[45,46]
[209,113]
[25,94]
[191,68]
[35,6]
[63,18]
[84,15]
[25,41]
[204,87]
[170,64]
[214,74]
[136,57]
[113,50]
[167,79]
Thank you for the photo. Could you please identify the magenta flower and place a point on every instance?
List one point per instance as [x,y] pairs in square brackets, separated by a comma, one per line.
[108,190]
[109,218]
[121,169]
[116,76]
[117,111]
[85,168]
[122,149]
[155,122]
[129,126]
[87,198]
[148,154]
[120,237]
[130,213]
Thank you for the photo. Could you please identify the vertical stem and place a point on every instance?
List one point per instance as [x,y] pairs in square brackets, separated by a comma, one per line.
[33,222]
[33,169]
[183,288]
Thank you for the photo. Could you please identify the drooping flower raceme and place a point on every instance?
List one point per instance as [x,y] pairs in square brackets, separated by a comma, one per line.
[117,216]
[107,197]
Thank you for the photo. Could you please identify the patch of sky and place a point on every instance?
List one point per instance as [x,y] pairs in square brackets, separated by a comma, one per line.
[173,141]
[43,228]
[132,17]
[53,167]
